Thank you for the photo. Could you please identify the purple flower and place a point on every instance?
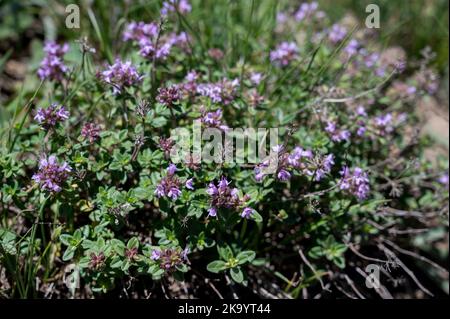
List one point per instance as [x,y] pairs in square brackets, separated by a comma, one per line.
[247,213]
[345,135]
[256,78]
[181,6]
[260,172]
[48,118]
[172,169]
[337,33]
[384,123]
[149,50]
[91,132]
[212,212]
[169,186]
[140,31]
[361,111]
[337,135]
[190,184]
[213,119]
[121,75]
[169,96]
[174,193]
[282,17]
[321,167]
[284,54]
[52,66]
[331,127]
[180,40]
[156,254]
[355,182]
[444,180]
[221,92]
[283,175]
[296,156]
[352,48]
[192,76]
[370,60]
[224,196]
[51,175]
[184,254]
[223,184]
[306,10]
[411,90]
[361,131]
[212,189]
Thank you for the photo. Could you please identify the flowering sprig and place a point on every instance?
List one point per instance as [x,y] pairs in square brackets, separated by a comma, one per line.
[152,44]
[51,174]
[307,11]
[224,91]
[304,162]
[355,182]
[337,135]
[170,259]
[121,75]
[224,196]
[170,185]
[90,132]
[181,6]
[337,33]
[169,96]
[213,119]
[48,118]
[52,66]
[284,54]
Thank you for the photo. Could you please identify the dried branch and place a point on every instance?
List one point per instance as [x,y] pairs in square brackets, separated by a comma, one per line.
[310,266]
[352,285]
[415,255]
[390,253]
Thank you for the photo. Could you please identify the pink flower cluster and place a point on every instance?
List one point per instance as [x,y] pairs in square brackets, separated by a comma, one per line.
[48,118]
[284,54]
[151,43]
[224,91]
[121,75]
[51,175]
[356,182]
[52,66]
[224,196]
[303,161]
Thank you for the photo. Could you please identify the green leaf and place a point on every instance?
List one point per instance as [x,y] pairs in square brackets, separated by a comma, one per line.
[183,268]
[69,253]
[340,262]
[316,252]
[225,252]
[118,246]
[116,262]
[237,274]
[246,257]
[159,122]
[66,239]
[133,243]
[216,266]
